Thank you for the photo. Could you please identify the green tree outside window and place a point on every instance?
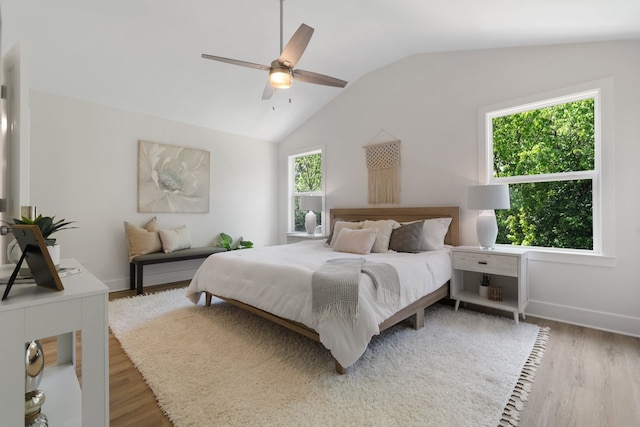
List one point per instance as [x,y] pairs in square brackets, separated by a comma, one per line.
[307,179]
[546,144]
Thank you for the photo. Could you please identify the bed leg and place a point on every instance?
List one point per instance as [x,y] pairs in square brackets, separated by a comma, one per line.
[418,319]
[207,299]
[339,368]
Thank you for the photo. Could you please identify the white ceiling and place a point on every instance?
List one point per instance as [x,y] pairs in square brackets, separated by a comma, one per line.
[144,55]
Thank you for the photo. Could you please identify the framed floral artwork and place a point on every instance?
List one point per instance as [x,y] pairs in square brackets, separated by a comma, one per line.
[172,178]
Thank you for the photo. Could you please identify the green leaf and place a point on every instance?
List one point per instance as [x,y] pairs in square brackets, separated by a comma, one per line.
[225,241]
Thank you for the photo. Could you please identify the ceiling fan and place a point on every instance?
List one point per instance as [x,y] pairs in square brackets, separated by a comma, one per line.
[281,71]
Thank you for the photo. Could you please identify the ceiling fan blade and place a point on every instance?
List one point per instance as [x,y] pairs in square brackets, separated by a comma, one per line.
[319,79]
[295,47]
[268,91]
[237,62]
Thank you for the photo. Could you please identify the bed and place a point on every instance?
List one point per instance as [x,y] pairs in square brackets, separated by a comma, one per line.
[275,282]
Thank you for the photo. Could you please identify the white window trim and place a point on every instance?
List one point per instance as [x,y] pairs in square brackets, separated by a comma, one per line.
[602,175]
[290,184]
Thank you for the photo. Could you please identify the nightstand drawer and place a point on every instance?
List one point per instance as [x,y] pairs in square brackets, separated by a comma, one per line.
[486,263]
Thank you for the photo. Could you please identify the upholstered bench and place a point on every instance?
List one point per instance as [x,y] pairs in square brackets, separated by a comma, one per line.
[137,264]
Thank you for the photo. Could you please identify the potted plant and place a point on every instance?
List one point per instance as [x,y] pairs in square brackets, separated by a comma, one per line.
[47,225]
[483,291]
[225,241]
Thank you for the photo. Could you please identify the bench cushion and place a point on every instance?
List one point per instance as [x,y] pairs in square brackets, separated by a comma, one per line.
[182,254]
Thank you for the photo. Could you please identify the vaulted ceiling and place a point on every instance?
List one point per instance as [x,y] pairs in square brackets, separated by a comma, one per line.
[145,55]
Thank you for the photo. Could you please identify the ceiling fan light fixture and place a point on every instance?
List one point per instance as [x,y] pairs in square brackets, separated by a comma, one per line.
[280,78]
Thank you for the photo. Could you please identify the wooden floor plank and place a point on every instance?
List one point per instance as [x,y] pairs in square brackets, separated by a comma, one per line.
[584,379]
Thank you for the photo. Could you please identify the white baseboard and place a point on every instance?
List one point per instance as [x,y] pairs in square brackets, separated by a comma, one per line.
[610,322]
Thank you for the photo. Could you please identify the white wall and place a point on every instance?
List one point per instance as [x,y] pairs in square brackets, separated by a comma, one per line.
[84,168]
[431,103]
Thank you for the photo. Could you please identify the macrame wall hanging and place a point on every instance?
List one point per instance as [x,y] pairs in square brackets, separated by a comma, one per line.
[383,166]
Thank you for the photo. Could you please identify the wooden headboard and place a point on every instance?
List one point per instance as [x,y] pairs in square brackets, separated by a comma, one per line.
[404,215]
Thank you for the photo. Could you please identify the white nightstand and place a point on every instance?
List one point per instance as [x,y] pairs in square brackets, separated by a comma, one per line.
[507,268]
[299,237]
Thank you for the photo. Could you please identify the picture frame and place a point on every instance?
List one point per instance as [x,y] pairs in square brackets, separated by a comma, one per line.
[35,253]
[172,178]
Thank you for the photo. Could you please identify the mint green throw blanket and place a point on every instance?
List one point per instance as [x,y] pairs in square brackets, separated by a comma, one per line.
[334,287]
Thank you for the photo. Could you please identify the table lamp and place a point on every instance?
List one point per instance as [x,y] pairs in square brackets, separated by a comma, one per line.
[487,198]
[311,204]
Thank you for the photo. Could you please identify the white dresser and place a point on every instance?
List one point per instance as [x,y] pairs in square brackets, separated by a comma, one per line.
[32,312]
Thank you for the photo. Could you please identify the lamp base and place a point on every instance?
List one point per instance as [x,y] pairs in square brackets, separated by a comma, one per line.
[487,228]
[310,223]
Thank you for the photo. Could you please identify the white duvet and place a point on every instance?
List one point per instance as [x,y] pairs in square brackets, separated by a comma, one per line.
[277,279]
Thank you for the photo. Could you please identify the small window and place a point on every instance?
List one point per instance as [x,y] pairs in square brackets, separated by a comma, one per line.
[305,179]
[548,153]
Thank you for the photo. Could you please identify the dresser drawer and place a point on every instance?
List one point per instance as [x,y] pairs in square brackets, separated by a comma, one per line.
[486,263]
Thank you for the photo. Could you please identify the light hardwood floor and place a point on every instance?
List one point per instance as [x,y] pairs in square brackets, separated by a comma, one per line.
[587,378]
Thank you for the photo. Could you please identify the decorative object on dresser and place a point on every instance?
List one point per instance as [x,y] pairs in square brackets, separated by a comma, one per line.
[507,267]
[406,377]
[34,398]
[48,226]
[172,178]
[34,252]
[312,204]
[486,198]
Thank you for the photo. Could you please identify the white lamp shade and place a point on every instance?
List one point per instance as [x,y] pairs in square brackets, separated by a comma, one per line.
[484,197]
[311,203]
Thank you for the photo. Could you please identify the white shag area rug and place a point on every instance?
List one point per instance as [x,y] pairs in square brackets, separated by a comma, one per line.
[221,366]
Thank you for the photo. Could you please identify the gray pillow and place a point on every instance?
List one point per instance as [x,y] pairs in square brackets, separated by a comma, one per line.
[407,238]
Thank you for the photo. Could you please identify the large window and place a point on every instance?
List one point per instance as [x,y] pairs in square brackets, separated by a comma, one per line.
[548,152]
[305,179]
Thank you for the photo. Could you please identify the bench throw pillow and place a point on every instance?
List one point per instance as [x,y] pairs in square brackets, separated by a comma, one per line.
[142,240]
[176,239]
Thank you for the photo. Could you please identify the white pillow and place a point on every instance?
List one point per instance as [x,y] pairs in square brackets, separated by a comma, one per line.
[339,225]
[433,233]
[355,241]
[385,228]
[173,240]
